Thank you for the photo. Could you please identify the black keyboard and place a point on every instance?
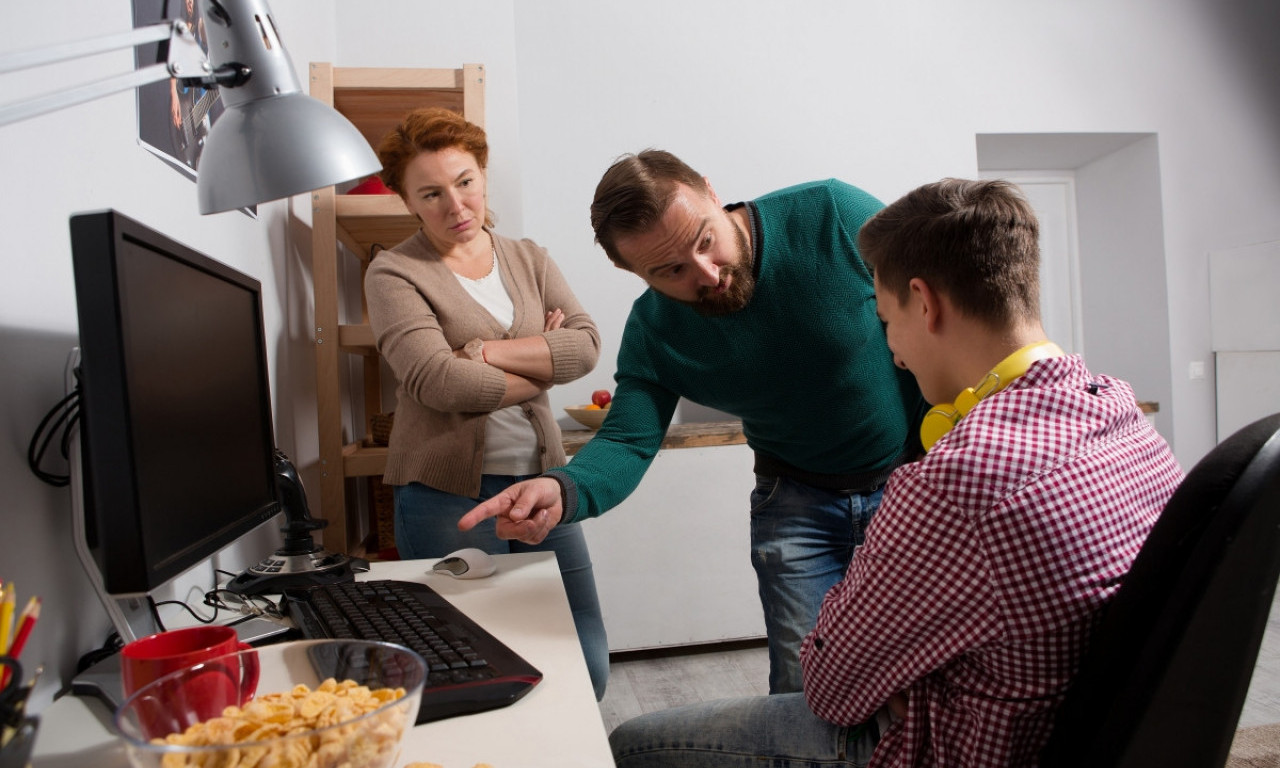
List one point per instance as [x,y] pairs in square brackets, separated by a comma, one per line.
[468,669]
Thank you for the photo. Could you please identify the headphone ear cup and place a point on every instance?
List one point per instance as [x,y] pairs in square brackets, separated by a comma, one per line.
[936,423]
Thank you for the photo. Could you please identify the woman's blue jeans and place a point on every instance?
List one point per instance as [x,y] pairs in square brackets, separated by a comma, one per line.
[427,526]
[802,539]
[776,731]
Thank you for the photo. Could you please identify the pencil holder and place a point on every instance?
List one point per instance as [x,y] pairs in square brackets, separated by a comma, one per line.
[16,752]
[17,730]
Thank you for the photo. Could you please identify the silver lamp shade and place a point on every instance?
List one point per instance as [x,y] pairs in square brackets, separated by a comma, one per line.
[271,140]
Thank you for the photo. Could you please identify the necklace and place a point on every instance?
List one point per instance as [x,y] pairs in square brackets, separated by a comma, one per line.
[493,262]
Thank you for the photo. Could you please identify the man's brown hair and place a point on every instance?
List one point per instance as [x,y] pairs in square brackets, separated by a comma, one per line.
[635,192]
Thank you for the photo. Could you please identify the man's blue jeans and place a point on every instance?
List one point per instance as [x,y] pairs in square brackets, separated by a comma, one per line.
[775,731]
[427,526]
[802,539]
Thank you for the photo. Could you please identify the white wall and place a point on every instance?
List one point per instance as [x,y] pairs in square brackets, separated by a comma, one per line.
[889,96]
[754,94]
[1122,270]
[87,158]
[1246,333]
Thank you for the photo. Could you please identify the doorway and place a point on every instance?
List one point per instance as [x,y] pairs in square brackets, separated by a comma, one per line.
[1103,267]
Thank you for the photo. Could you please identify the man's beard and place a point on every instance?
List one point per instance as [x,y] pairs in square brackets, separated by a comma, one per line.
[741,285]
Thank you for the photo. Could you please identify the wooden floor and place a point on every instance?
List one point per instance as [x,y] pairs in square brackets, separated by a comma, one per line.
[645,681]
[642,682]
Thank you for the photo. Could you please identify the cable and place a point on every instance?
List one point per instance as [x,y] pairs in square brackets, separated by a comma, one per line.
[62,416]
[155,614]
[109,648]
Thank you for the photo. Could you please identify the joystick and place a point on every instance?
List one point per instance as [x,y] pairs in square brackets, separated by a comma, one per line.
[299,561]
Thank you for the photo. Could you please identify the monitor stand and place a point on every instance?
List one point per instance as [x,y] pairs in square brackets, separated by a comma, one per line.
[130,614]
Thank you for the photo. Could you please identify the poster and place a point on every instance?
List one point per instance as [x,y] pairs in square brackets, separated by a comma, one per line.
[174,119]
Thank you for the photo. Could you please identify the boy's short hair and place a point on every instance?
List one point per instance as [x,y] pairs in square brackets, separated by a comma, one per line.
[975,241]
[634,194]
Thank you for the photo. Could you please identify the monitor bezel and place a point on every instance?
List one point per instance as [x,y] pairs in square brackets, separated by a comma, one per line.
[100,240]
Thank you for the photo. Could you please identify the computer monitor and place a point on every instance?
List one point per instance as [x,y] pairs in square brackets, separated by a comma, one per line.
[176,434]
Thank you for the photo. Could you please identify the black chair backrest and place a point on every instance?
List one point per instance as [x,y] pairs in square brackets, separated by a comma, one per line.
[1167,670]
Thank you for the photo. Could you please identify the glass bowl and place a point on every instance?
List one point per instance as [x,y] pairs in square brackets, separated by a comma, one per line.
[306,703]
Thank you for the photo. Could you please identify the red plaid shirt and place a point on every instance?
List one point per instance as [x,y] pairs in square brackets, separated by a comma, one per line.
[984,568]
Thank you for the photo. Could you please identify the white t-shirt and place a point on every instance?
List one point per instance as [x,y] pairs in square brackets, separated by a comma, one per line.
[510,443]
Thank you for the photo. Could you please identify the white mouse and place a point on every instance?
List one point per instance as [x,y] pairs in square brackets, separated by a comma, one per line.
[469,563]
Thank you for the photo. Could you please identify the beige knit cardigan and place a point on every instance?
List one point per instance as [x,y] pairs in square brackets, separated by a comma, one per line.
[420,313]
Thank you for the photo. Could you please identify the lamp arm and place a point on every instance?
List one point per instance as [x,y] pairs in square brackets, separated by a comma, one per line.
[186,62]
[12,62]
[244,161]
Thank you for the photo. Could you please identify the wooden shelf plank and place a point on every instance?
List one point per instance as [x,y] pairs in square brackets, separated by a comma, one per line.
[387,78]
[357,339]
[368,220]
[364,459]
[699,434]
[375,100]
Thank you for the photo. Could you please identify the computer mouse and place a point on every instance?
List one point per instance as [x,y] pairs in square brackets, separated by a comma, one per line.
[469,563]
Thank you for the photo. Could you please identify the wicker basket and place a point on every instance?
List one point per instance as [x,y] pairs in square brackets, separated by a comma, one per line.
[380,427]
[381,496]
[383,524]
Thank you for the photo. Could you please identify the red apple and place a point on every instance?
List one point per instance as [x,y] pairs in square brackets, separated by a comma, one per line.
[601,397]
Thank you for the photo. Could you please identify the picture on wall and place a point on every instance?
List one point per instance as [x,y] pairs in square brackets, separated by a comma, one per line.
[173,119]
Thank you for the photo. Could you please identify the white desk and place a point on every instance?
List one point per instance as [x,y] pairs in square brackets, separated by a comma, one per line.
[556,725]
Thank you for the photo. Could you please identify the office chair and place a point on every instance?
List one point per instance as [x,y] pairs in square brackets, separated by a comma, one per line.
[1166,673]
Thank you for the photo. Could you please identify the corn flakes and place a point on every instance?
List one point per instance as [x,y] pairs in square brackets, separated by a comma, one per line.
[274,715]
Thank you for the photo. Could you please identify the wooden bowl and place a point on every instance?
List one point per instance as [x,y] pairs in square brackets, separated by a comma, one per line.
[587,417]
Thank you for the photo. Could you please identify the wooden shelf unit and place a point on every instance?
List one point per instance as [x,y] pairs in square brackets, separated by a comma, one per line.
[374,100]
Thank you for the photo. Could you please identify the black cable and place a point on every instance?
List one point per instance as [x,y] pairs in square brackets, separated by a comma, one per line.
[62,416]
[212,619]
[110,647]
[154,607]
[187,608]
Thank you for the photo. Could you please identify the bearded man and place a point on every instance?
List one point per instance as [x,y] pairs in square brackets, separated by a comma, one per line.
[763,310]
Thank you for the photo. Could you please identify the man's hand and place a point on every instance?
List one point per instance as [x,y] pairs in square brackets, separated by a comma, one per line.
[526,511]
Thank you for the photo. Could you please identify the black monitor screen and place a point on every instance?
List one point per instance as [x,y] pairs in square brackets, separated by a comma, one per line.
[175,404]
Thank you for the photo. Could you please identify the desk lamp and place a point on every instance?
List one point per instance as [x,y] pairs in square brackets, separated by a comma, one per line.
[271,141]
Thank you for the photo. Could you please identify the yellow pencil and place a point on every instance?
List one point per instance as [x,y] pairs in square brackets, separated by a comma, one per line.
[6,616]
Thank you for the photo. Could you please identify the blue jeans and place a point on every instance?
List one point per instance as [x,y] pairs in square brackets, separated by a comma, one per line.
[427,526]
[775,731]
[802,539]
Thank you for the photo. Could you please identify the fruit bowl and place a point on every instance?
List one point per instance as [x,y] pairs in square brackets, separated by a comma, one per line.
[321,703]
[588,417]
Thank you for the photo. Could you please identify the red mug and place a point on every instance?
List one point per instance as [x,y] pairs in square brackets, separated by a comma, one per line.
[184,676]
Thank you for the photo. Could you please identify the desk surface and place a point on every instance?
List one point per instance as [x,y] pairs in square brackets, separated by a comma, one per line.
[556,724]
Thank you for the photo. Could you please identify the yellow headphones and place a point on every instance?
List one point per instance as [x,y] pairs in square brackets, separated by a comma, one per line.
[939,421]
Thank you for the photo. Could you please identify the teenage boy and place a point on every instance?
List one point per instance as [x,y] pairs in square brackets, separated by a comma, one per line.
[963,617]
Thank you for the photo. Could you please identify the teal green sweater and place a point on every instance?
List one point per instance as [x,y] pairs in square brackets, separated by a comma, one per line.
[804,365]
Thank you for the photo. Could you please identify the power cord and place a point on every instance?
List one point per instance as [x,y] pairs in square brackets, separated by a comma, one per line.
[249,606]
[62,416]
[109,648]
